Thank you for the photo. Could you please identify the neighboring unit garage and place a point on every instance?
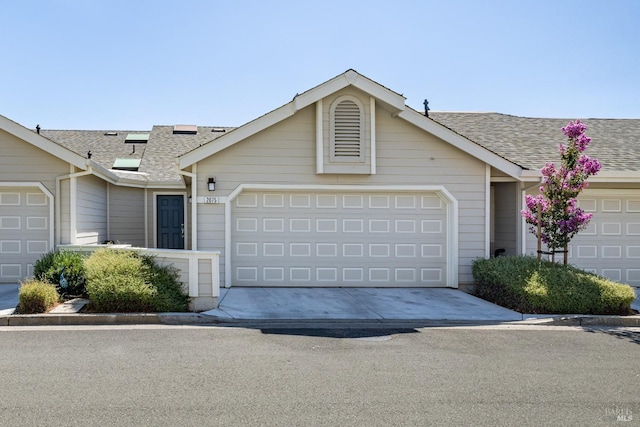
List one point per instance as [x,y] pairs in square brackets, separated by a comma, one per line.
[341,238]
[610,246]
[25,233]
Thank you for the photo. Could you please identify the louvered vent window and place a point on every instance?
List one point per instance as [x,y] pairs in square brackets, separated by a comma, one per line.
[347,130]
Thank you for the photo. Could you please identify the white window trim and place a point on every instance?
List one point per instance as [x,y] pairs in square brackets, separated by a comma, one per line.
[332,110]
[155,214]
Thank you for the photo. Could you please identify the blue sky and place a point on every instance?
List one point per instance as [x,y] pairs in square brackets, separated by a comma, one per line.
[130,64]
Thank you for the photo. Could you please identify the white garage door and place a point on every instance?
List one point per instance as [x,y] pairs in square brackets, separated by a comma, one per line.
[610,246]
[24,231]
[339,239]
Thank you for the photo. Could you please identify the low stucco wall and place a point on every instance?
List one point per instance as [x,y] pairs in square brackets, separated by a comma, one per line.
[199,270]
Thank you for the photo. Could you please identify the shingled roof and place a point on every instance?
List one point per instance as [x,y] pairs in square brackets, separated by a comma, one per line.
[530,142]
[157,156]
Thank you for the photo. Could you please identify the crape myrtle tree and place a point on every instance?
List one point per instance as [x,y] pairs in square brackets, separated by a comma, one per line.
[553,215]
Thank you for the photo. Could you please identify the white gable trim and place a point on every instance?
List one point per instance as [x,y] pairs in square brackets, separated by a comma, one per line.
[42,143]
[350,78]
[377,93]
[237,135]
[372,143]
[461,142]
[395,101]
[319,138]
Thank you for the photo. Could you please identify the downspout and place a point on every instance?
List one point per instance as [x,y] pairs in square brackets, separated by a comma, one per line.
[72,199]
[146,218]
[523,231]
[194,204]
[487,207]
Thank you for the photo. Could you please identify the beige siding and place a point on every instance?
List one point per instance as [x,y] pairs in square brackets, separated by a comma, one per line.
[506,217]
[21,161]
[406,155]
[91,205]
[65,212]
[126,215]
[205,272]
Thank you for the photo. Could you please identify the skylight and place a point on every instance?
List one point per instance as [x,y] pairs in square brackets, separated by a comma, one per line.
[126,164]
[137,138]
[185,129]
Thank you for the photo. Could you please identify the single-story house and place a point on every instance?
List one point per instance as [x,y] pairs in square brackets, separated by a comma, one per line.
[343,186]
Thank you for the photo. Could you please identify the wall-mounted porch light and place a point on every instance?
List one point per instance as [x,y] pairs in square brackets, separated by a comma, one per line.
[211,184]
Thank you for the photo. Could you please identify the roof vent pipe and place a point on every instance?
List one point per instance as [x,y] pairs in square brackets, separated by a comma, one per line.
[426,108]
[38,129]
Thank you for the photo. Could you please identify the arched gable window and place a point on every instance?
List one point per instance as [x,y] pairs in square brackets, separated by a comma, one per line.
[347,130]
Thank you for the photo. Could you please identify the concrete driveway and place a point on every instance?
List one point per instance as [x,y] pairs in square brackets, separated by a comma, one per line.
[8,298]
[415,304]
[357,304]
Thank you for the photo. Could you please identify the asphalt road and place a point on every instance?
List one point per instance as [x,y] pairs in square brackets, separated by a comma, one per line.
[160,375]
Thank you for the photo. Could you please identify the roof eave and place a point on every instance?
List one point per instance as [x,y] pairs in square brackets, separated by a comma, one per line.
[43,143]
[350,78]
[602,176]
[111,177]
[462,143]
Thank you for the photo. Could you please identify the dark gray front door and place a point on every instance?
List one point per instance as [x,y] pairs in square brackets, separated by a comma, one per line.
[171,222]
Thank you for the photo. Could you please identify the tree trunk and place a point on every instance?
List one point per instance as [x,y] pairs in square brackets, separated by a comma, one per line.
[539,235]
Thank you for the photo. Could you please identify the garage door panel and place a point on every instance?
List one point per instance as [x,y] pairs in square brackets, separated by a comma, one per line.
[341,239]
[24,231]
[610,246]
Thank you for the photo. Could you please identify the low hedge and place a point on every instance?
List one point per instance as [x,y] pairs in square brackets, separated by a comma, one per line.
[522,284]
[170,297]
[36,296]
[125,281]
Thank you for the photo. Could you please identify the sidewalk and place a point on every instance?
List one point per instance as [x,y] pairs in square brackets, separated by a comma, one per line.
[313,306]
[8,298]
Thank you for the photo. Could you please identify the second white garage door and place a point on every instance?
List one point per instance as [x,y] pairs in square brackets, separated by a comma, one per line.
[339,239]
[610,246]
[24,231]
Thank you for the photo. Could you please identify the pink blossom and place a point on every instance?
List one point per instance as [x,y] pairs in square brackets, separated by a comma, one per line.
[574,129]
[554,209]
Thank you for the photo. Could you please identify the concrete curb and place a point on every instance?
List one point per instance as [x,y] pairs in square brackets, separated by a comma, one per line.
[105,319]
[200,319]
[595,320]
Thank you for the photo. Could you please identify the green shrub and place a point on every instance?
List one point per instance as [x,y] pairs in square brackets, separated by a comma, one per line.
[125,281]
[166,280]
[522,284]
[53,264]
[115,282]
[36,296]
